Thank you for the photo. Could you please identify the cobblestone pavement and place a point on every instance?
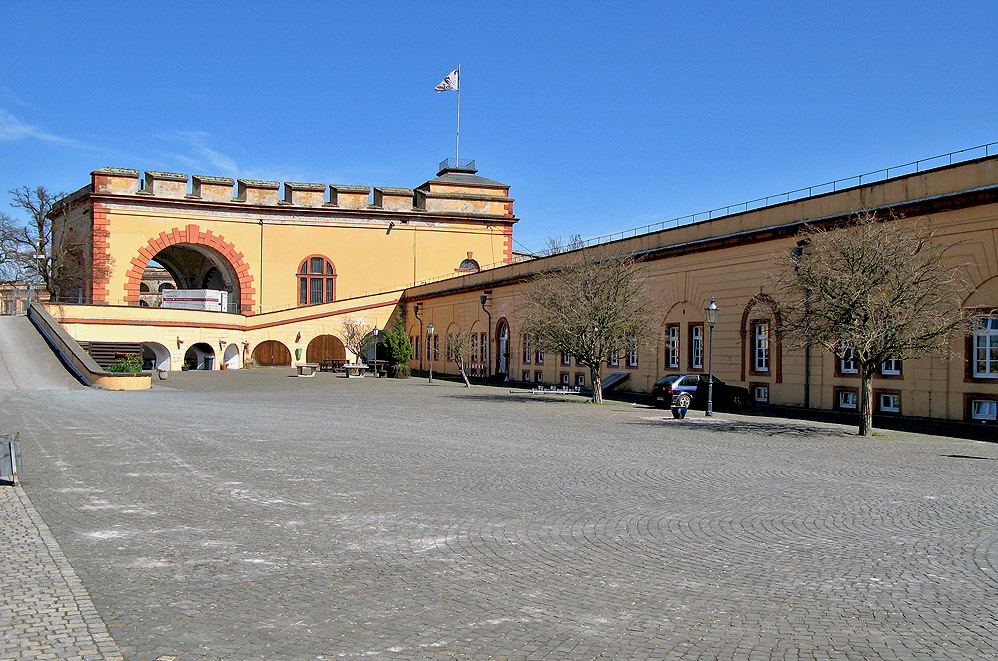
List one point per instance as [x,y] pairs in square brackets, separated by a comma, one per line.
[45,612]
[248,515]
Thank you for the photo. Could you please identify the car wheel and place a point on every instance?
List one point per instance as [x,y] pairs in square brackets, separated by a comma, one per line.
[684,401]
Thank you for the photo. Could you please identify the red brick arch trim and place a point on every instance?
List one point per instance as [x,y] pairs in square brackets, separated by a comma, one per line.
[194,235]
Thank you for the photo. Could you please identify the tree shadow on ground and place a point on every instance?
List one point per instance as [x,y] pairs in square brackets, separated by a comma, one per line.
[755,428]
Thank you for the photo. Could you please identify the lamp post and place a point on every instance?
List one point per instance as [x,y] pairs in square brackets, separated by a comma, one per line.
[429,349]
[374,361]
[711,311]
[488,350]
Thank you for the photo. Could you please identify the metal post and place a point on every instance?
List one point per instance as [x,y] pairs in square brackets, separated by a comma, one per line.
[429,349]
[711,311]
[488,348]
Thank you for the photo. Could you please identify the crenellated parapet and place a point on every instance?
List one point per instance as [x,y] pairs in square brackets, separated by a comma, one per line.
[455,191]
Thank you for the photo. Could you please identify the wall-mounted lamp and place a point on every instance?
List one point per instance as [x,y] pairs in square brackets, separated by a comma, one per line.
[390,226]
[298,338]
[180,341]
[221,343]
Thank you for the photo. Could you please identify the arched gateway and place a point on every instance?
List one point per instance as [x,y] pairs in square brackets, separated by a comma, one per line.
[196,258]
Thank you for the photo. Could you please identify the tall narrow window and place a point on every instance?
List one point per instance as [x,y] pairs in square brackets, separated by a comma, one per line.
[986,348]
[539,352]
[761,345]
[526,348]
[316,281]
[474,347]
[632,352]
[672,350]
[436,347]
[696,347]
[485,347]
[847,360]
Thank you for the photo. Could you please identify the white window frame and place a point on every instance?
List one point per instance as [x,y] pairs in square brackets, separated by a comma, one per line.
[526,376]
[566,358]
[527,353]
[580,380]
[847,360]
[848,399]
[984,409]
[672,357]
[761,346]
[565,379]
[632,354]
[891,367]
[696,348]
[613,360]
[761,394]
[985,348]
[890,402]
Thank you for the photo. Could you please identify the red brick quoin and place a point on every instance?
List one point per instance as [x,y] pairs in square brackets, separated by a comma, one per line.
[194,235]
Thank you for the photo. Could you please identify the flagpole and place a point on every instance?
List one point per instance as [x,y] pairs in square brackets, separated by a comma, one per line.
[457,154]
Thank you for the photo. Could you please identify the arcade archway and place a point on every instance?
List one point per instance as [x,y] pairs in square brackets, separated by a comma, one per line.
[200,357]
[155,356]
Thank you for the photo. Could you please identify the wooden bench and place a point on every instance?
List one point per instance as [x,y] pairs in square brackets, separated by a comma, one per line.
[307,369]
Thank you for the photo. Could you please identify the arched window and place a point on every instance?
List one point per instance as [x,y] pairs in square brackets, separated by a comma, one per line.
[316,281]
[469,265]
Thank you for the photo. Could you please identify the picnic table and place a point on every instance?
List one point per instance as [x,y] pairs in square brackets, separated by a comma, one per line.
[332,365]
[307,369]
[354,370]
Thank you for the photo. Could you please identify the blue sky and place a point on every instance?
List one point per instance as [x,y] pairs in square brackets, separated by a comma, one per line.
[602,116]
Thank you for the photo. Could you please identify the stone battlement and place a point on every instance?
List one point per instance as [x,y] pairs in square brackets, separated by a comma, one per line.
[465,194]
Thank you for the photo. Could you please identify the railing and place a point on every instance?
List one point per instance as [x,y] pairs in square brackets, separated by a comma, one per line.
[980,151]
[15,301]
[457,164]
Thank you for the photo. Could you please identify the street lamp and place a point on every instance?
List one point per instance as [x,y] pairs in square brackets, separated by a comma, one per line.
[429,345]
[374,361]
[711,311]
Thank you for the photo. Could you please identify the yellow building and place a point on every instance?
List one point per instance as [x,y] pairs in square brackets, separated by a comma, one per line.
[300,258]
[299,266]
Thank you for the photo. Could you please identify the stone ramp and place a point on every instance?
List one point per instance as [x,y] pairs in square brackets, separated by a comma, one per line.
[26,360]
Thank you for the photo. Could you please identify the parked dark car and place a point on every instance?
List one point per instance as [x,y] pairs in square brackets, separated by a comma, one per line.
[690,390]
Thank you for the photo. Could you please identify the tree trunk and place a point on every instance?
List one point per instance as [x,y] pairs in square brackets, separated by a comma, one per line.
[865,401]
[464,375]
[594,375]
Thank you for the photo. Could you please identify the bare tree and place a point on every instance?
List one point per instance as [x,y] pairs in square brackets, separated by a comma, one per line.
[557,245]
[459,350]
[33,251]
[593,305]
[356,336]
[870,291]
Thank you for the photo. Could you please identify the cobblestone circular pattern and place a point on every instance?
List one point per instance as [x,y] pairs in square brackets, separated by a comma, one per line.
[248,515]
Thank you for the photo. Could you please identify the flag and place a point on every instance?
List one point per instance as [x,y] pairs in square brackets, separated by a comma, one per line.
[450,83]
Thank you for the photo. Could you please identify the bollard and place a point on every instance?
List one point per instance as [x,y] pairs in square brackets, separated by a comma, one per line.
[10,458]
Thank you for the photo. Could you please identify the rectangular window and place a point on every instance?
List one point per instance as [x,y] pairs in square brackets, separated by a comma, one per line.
[696,347]
[566,359]
[890,403]
[415,346]
[847,360]
[672,351]
[847,399]
[539,353]
[891,367]
[330,290]
[761,344]
[526,376]
[539,377]
[315,265]
[474,346]
[302,291]
[984,409]
[315,287]
[614,359]
[436,347]
[564,378]
[986,348]
[760,394]
[526,349]
[580,379]
[485,347]
[632,353]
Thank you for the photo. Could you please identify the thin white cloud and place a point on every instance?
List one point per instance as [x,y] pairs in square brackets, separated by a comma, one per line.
[13,129]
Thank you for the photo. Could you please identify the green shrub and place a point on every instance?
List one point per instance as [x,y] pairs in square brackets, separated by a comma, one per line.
[399,349]
[130,362]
